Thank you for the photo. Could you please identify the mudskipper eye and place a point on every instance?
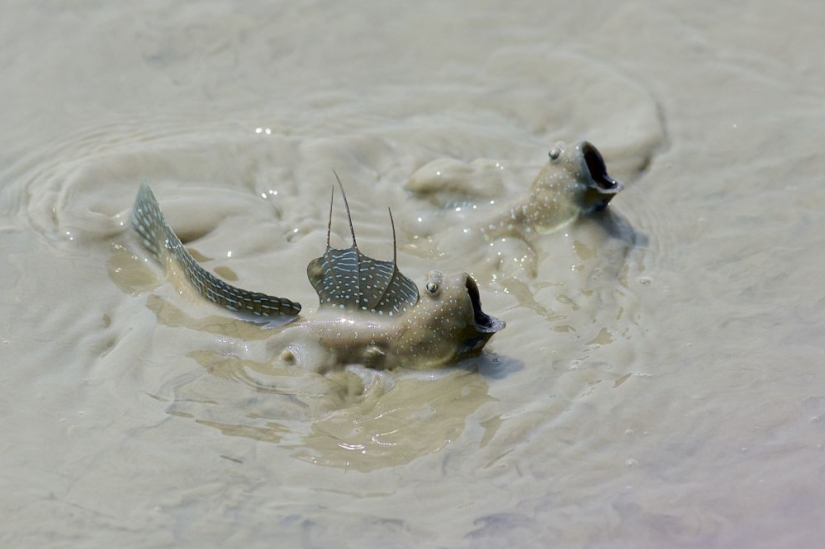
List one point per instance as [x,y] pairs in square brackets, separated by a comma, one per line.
[555,152]
[432,287]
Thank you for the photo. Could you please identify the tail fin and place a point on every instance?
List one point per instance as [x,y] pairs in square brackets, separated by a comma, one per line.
[148,221]
[159,238]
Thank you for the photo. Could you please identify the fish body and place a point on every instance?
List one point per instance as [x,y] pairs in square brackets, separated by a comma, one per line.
[369,312]
[573,183]
[443,328]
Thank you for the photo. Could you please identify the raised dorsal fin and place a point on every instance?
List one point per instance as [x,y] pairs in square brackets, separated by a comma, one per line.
[348,279]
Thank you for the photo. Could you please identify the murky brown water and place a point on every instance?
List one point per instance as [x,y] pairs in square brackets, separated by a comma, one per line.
[660,382]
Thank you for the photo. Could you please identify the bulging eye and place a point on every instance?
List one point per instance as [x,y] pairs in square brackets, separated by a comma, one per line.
[556,151]
[432,282]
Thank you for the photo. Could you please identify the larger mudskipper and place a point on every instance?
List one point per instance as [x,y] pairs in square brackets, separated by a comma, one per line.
[369,312]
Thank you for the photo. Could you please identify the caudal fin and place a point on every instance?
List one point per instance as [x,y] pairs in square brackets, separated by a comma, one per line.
[149,222]
[159,238]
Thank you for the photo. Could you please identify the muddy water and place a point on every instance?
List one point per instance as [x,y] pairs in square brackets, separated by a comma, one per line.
[659,382]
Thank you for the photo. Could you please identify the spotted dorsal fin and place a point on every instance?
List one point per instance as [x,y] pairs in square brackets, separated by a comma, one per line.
[348,279]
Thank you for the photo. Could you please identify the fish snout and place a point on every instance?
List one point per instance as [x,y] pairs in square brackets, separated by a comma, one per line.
[595,166]
[601,186]
[484,323]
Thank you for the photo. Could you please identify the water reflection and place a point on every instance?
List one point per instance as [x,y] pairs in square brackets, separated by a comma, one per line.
[416,417]
[618,227]
[338,419]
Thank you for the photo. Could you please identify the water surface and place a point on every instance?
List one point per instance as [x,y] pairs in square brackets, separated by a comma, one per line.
[659,382]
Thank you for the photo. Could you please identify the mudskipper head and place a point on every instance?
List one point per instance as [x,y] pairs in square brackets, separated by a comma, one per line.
[447,323]
[582,172]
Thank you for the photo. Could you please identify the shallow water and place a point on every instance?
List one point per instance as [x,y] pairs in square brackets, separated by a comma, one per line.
[659,381]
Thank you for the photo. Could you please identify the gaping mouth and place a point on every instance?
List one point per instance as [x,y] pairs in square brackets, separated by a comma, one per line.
[598,171]
[485,323]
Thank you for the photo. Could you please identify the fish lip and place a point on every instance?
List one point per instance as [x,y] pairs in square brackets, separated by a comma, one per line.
[484,323]
[595,165]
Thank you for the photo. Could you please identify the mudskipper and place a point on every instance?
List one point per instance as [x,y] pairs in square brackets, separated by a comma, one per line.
[369,312]
[573,183]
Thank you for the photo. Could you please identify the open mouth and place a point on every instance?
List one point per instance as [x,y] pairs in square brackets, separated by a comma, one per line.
[598,171]
[485,323]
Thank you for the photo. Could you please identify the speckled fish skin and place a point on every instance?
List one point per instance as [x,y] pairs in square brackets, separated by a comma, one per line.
[443,325]
[159,238]
[348,279]
[574,182]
